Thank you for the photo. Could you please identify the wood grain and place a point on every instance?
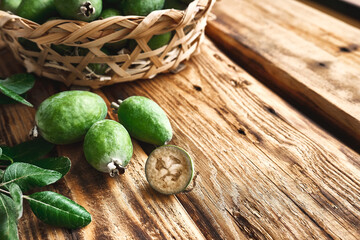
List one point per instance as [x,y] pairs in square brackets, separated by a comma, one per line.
[122,208]
[305,54]
[265,171]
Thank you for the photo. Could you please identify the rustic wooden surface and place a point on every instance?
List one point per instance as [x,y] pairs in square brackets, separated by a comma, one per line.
[351,17]
[306,54]
[265,171]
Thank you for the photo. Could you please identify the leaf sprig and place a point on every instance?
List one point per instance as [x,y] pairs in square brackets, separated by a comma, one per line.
[14,87]
[25,171]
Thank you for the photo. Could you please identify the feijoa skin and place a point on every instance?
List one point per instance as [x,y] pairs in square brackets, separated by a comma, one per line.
[175,4]
[36,10]
[145,120]
[9,5]
[83,10]
[108,147]
[116,46]
[169,169]
[66,117]
[140,7]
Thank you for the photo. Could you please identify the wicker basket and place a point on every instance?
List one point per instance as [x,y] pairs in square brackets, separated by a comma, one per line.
[188,28]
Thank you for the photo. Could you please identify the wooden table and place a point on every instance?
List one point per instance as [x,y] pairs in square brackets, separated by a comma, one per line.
[266,170]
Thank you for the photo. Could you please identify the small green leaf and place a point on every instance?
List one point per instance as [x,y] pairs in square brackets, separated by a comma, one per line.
[16,194]
[28,151]
[19,83]
[0,151]
[1,175]
[59,164]
[8,225]
[14,96]
[55,209]
[6,100]
[28,176]
[4,157]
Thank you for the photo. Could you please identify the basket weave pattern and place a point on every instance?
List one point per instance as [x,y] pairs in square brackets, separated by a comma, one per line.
[188,27]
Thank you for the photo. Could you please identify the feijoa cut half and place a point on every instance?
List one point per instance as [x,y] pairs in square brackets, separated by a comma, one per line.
[169,169]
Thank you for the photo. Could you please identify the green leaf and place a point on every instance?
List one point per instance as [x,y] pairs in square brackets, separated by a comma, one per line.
[55,209]
[6,100]
[1,175]
[8,225]
[16,194]
[0,151]
[14,96]
[28,176]
[4,157]
[59,164]
[28,151]
[19,83]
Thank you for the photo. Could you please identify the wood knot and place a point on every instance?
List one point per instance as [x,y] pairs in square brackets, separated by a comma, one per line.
[242,131]
[197,88]
[348,49]
[271,110]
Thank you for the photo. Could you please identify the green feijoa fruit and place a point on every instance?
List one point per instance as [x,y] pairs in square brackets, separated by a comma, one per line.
[28,44]
[83,10]
[36,10]
[158,41]
[63,50]
[140,7]
[66,117]
[97,68]
[169,169]
[110,12]
[155,42]
[187,1]
[145,120]
[9,5]
[108,147]
[175,4]
[117,46]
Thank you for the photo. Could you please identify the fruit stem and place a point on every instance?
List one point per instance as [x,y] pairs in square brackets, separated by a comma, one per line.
[115,106]
[34,133]
[87,9]
[115,167]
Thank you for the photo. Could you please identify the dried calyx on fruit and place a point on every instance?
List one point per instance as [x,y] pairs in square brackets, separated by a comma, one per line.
[79,9]
[87,9]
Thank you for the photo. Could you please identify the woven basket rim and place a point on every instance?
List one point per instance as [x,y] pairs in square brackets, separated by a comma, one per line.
[188,27]
[165,20]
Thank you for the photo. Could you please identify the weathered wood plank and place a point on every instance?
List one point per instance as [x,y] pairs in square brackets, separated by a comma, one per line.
[122,208]
[265,171]
[307,55]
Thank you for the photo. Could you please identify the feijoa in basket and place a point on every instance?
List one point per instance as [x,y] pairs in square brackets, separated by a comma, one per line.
[102,42]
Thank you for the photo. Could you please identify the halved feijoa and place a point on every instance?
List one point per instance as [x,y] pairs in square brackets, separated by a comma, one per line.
[169,169]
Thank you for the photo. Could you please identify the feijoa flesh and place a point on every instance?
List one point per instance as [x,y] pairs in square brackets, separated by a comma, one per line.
[108,147]
[145,120]
[169,169]
[67,116]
